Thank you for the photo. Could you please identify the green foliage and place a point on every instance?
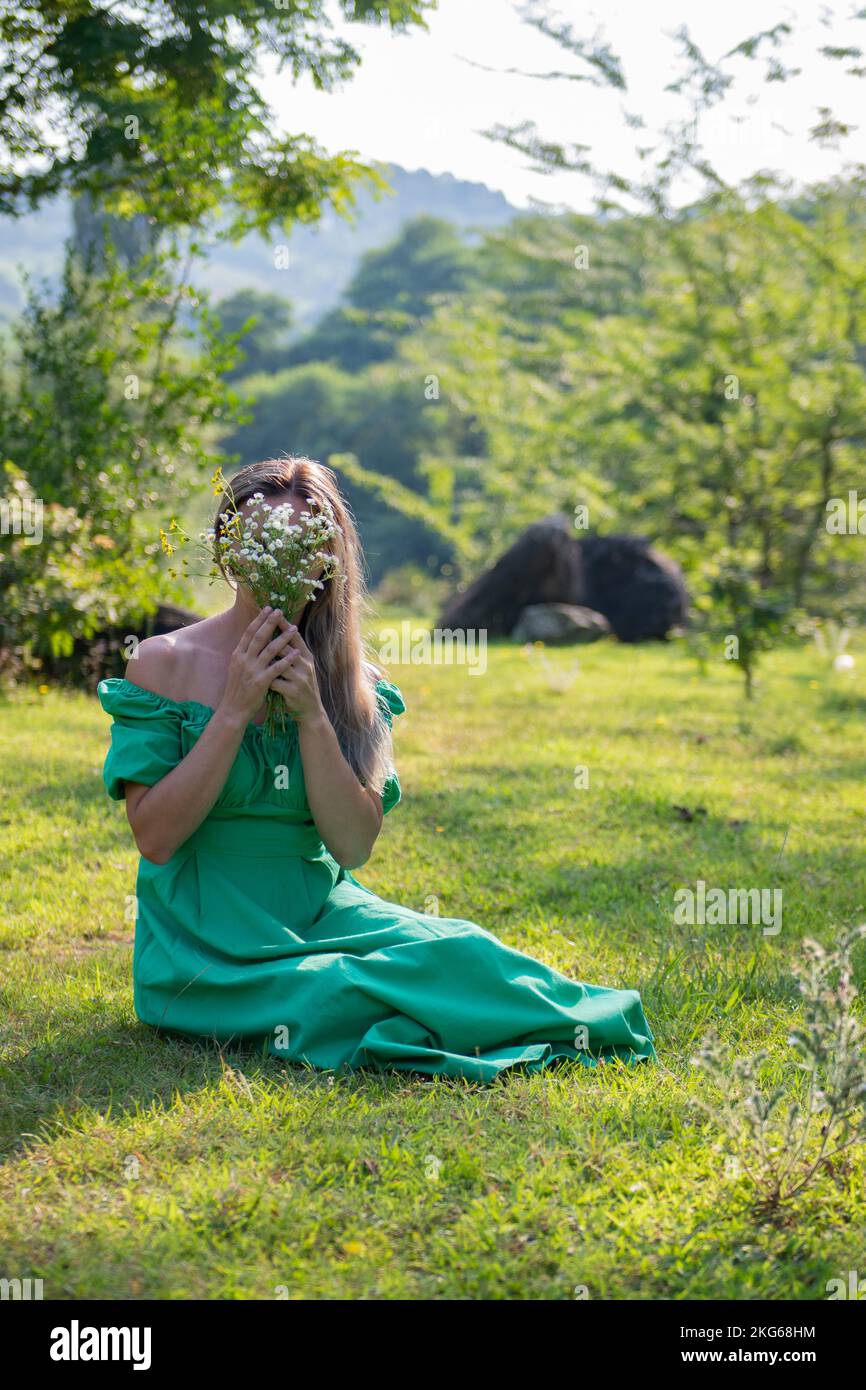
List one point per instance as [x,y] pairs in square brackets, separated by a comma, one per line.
[106,420]
[378,414]
[432,511]
[720,402]
[696,373]
[261,323]
[427,259]
[783,1141]
[412,588]
[746,615]
[698,377]
[395,289]
[158,109]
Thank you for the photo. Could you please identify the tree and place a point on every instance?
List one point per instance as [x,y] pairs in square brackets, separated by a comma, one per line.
[105,422]
[733,404]
[261,322]
[749,621]
[156,108]
[395,288]
[131,238]
[695,368]
[151,115]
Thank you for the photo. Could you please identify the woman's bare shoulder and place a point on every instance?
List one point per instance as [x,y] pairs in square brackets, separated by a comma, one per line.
[163,664]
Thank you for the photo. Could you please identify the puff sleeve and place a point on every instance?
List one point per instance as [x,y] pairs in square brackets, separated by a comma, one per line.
[145,736]
[390,702]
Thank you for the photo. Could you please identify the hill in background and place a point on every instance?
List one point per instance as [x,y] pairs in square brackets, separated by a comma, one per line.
[322,258]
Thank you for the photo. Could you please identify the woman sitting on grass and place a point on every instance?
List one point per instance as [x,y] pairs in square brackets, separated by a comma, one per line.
[254,753]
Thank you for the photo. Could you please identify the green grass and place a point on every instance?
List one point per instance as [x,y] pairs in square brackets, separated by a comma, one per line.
[136,1167]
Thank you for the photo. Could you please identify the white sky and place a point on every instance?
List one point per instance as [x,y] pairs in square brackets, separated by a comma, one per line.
[414,101]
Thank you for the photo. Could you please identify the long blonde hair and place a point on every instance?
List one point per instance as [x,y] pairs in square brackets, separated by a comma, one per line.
[331,624]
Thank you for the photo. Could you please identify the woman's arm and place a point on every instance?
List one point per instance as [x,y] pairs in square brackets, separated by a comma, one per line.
[347,816]
[165,815]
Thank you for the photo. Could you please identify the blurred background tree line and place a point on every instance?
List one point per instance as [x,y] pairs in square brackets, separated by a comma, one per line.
[690,370]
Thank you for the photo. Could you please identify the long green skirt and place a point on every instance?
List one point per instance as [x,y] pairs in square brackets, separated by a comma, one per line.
[252,932]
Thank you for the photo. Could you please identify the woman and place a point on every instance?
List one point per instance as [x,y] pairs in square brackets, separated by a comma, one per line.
[251,924]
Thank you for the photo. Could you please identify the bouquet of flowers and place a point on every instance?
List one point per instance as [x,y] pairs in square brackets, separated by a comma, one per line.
[272,553]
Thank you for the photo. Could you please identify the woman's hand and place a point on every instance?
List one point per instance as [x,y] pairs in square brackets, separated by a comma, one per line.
[298,683]
[256,659]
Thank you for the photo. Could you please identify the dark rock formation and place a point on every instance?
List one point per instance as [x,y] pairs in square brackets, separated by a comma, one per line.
[542,566]
[640,591]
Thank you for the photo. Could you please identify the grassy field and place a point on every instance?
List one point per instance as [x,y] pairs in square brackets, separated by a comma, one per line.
[134,1167]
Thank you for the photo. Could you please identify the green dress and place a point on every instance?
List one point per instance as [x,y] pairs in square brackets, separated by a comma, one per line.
[252,931]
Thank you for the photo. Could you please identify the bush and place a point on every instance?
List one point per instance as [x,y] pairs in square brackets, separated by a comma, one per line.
[105,412]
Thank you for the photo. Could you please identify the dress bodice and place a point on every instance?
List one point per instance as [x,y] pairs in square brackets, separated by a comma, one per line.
[151,734]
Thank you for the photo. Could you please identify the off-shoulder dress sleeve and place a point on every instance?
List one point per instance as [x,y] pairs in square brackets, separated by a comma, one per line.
[145,736]
[391,702]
